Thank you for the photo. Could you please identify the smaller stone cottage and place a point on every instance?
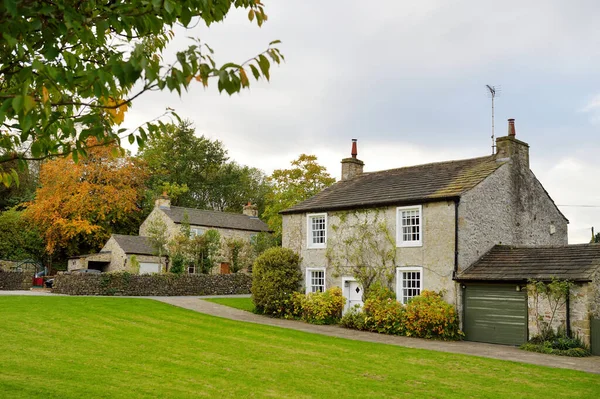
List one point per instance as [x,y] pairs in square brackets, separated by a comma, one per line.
[121,250]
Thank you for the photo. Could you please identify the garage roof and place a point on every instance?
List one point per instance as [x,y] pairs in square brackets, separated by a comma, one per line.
[511,263]
[134,244]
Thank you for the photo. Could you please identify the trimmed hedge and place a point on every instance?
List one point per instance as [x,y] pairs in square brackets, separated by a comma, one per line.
[11,281]
[153,284]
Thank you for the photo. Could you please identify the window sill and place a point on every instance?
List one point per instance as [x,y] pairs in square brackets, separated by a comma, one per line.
[410,244]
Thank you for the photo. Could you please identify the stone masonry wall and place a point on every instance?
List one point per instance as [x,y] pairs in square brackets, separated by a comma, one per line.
[581,304]
[11,281]
[436,255]
[152,285]
[495,212]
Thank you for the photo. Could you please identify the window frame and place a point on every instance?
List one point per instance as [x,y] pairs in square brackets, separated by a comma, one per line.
[399,232]
[308,278]
[400,280]
[309,231]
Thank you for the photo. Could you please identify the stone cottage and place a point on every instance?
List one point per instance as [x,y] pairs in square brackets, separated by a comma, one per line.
[420,227]
[118,252]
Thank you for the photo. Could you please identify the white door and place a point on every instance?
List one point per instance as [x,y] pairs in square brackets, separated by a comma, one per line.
[149,268]
[353,293]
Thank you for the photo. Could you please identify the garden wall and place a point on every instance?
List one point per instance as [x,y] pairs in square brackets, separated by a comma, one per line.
[10,281]
[152,285]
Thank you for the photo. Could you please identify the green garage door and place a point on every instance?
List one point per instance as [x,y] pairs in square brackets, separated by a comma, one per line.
[495,313]
[595,339]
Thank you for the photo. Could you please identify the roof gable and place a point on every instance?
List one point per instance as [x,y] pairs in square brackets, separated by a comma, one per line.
[428,182]
[223,220]
[509,263]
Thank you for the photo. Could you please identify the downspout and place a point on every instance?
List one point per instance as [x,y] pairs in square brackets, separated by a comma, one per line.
[568,312]
[455,271]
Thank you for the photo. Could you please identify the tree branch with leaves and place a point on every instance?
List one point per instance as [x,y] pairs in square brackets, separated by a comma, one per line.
[70,69]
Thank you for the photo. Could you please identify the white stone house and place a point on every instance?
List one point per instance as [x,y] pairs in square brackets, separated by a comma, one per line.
[424,225]
[117,253]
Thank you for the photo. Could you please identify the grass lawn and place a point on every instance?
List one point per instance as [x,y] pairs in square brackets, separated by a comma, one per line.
[87,347]
[238,303]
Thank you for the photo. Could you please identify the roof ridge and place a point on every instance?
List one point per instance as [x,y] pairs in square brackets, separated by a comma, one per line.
[490,157]
[209,210]
[524,246]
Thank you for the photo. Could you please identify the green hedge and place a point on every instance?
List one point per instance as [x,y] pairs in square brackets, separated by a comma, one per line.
[167,284]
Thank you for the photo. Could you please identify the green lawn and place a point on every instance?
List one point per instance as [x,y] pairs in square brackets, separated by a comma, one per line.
[238,303]
[86,347]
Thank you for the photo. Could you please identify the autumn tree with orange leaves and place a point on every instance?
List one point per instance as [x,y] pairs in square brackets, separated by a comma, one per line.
[79,205]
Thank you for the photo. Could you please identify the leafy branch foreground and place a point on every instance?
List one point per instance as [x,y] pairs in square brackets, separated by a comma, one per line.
[70,69]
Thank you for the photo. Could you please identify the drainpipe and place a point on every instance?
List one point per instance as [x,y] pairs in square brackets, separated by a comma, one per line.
[568,312]
[455,271]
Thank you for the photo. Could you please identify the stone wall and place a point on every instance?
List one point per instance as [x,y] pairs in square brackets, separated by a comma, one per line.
[152,285]
[581,302]
[509,207]
[435,256]
[11,281]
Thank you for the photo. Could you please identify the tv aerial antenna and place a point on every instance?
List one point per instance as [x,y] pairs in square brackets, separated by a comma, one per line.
[493,92]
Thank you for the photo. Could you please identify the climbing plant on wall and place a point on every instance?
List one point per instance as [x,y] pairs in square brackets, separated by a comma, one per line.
[362,244]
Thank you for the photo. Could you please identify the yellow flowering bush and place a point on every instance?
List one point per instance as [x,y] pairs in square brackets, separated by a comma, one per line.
[320,307]
[429,316]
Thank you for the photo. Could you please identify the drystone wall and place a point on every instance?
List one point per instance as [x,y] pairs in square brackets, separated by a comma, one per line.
[153,284]
[11,281]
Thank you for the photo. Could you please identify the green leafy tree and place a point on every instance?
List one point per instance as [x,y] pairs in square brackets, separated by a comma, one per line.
[290,186]
[178,158]
[70,69]
[19,240]
[595,237]
[204,250]
[17,194]
[158,237]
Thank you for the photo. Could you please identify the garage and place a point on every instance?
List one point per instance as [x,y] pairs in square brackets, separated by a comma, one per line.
[149,268]
[495,313]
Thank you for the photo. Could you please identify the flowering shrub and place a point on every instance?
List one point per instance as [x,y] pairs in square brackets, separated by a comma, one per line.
[320,307]
[383,315]
[429,316]
[353,319]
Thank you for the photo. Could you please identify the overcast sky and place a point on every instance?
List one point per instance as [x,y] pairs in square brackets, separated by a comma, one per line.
[407,79]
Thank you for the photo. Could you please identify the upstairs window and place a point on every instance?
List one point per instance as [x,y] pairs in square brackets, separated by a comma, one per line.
[196,231]
[317,230]
[409,283]
[409,229]
[315,280]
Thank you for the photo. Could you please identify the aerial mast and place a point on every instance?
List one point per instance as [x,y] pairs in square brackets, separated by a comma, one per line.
[493,92]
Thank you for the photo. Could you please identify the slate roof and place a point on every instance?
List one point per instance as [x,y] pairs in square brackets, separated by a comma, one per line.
[509,263]
[137,245]
[429,182]
[224,220]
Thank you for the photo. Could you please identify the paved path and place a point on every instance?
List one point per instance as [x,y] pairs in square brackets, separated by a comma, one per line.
[588,364]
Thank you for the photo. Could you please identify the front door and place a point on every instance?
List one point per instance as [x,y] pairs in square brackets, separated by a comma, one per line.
[353,293]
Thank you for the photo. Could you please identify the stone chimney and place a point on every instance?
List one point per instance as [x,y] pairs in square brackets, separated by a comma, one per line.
[250,210]
[352,167]
[510,147]
[163,201]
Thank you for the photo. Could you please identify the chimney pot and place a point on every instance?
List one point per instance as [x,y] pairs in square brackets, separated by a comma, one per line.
[511,128]
[354,152]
